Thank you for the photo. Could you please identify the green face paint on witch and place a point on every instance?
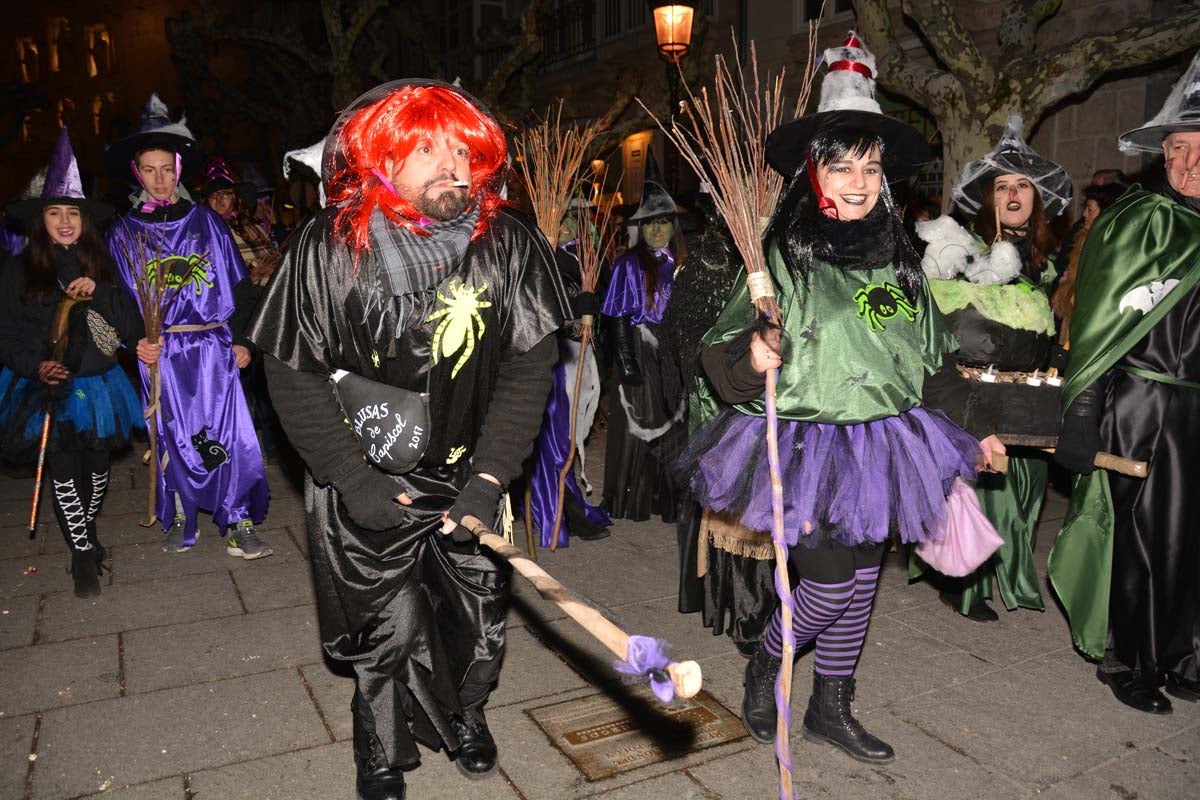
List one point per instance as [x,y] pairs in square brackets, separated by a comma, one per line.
[657,232]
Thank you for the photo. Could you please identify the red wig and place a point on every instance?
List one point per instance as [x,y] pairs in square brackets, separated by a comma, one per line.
[390,129]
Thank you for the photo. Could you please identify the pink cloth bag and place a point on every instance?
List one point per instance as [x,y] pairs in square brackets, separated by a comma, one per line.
[967,538]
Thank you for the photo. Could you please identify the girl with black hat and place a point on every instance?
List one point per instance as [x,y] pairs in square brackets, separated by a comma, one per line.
[61,322]
[861,459]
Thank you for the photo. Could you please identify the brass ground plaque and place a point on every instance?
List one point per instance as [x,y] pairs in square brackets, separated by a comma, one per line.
[605,735]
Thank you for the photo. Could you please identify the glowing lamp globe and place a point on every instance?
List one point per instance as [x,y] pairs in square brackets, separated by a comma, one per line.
[673,28]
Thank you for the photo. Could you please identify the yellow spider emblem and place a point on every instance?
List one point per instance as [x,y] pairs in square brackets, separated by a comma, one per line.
[458,321]
[455,454]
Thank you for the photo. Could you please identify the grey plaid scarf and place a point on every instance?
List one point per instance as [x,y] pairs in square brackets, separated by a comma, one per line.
[414,263]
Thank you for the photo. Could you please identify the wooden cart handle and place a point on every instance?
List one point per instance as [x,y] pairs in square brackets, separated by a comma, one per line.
[1125,466]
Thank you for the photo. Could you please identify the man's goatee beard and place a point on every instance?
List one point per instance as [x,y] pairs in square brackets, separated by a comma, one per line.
[446,206]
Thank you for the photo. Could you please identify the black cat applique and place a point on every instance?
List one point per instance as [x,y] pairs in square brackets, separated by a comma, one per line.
[212,452]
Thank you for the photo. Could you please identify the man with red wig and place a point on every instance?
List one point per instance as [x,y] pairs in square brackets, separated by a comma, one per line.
[417,278]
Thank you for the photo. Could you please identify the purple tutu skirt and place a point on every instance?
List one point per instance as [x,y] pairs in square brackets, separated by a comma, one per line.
[855,484]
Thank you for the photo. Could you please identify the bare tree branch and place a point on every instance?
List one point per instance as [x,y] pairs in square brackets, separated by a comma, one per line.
[362,17]
[1019,22]
[629,83]
[951,42]
[1077,67]
[524,50]
[897,71]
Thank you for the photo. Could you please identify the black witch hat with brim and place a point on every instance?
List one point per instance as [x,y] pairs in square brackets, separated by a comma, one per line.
[1180,114]
[848,103]
[62,187]
[157,132]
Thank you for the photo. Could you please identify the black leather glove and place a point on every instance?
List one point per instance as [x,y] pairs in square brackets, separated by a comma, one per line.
[1079,437]
[480,499]
[625,346]
[1058,359]
[370,499]
[587,304]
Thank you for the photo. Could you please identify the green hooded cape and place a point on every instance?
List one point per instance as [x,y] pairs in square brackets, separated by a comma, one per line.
[1135,248]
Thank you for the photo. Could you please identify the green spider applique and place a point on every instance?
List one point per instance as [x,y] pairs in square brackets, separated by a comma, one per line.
[881,302]
[180,271]
[458,320]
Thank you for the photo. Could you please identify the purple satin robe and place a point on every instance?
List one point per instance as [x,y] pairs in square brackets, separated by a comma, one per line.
[627,289]
[205,433]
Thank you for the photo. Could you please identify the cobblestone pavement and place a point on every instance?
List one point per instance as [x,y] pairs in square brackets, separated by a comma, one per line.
[198,676]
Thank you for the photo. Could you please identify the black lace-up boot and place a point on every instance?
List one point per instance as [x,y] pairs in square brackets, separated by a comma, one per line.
[376,779]
[829,719]
[477,749]
[758,702]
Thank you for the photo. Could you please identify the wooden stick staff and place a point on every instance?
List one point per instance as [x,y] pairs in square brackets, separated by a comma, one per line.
[549,158]
[685,677]
[37,481]
[727,143]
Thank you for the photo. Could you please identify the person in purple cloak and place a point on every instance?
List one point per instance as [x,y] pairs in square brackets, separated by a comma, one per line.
[207,444]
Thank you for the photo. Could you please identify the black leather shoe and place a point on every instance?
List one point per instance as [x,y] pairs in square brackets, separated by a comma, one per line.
[1129,687]
[477,753]
[375,779]
[829,719]
[982,612]
[1183,688]
[758,701]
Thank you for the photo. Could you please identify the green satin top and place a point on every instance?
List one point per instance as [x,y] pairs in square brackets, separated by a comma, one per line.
[856,349]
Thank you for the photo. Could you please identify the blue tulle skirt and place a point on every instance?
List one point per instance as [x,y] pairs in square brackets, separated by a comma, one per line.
[96,412]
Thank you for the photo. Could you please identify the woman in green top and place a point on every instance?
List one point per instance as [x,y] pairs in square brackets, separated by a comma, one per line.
[1005,321]
[861,460]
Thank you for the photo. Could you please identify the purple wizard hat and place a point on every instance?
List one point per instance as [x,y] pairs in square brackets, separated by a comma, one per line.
[63,186]
[156,132]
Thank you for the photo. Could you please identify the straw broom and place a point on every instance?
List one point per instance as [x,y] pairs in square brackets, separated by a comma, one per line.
[550,158]
[154,298]
[594,251]
[724,139]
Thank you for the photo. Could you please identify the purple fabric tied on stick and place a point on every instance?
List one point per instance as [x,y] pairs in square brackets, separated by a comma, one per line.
[647,657]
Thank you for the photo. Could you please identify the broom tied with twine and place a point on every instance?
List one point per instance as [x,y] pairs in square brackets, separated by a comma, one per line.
[550,158]
[155,295]
[724,138]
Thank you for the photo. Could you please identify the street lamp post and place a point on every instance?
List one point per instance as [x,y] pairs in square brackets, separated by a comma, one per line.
[673,30]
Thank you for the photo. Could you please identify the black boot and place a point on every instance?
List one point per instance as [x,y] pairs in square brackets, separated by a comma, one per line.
[85,569]
[376,779]
[477,753]
[758,701]
[830,720]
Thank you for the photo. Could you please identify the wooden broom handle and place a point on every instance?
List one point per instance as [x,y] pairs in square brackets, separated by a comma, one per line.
[1125,466]
[685,675]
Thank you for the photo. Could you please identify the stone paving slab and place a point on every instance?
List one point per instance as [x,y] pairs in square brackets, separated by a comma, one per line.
[531,671]
[230,647]
[17,543]
[332,694]
[1036,723]
[142,561]
[923,768]
[167,789]
[269,583]
[51,574]
[1017,636]
[1145,773]
[676,785]
[63,674]
[325,772]
[18,619]
[16,740]
[141,605]
[143,737]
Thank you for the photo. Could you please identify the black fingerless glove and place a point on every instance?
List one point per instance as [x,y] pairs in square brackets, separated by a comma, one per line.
[480,499]
[1058,359]
[1079,436]
[370,499]
[587,304]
